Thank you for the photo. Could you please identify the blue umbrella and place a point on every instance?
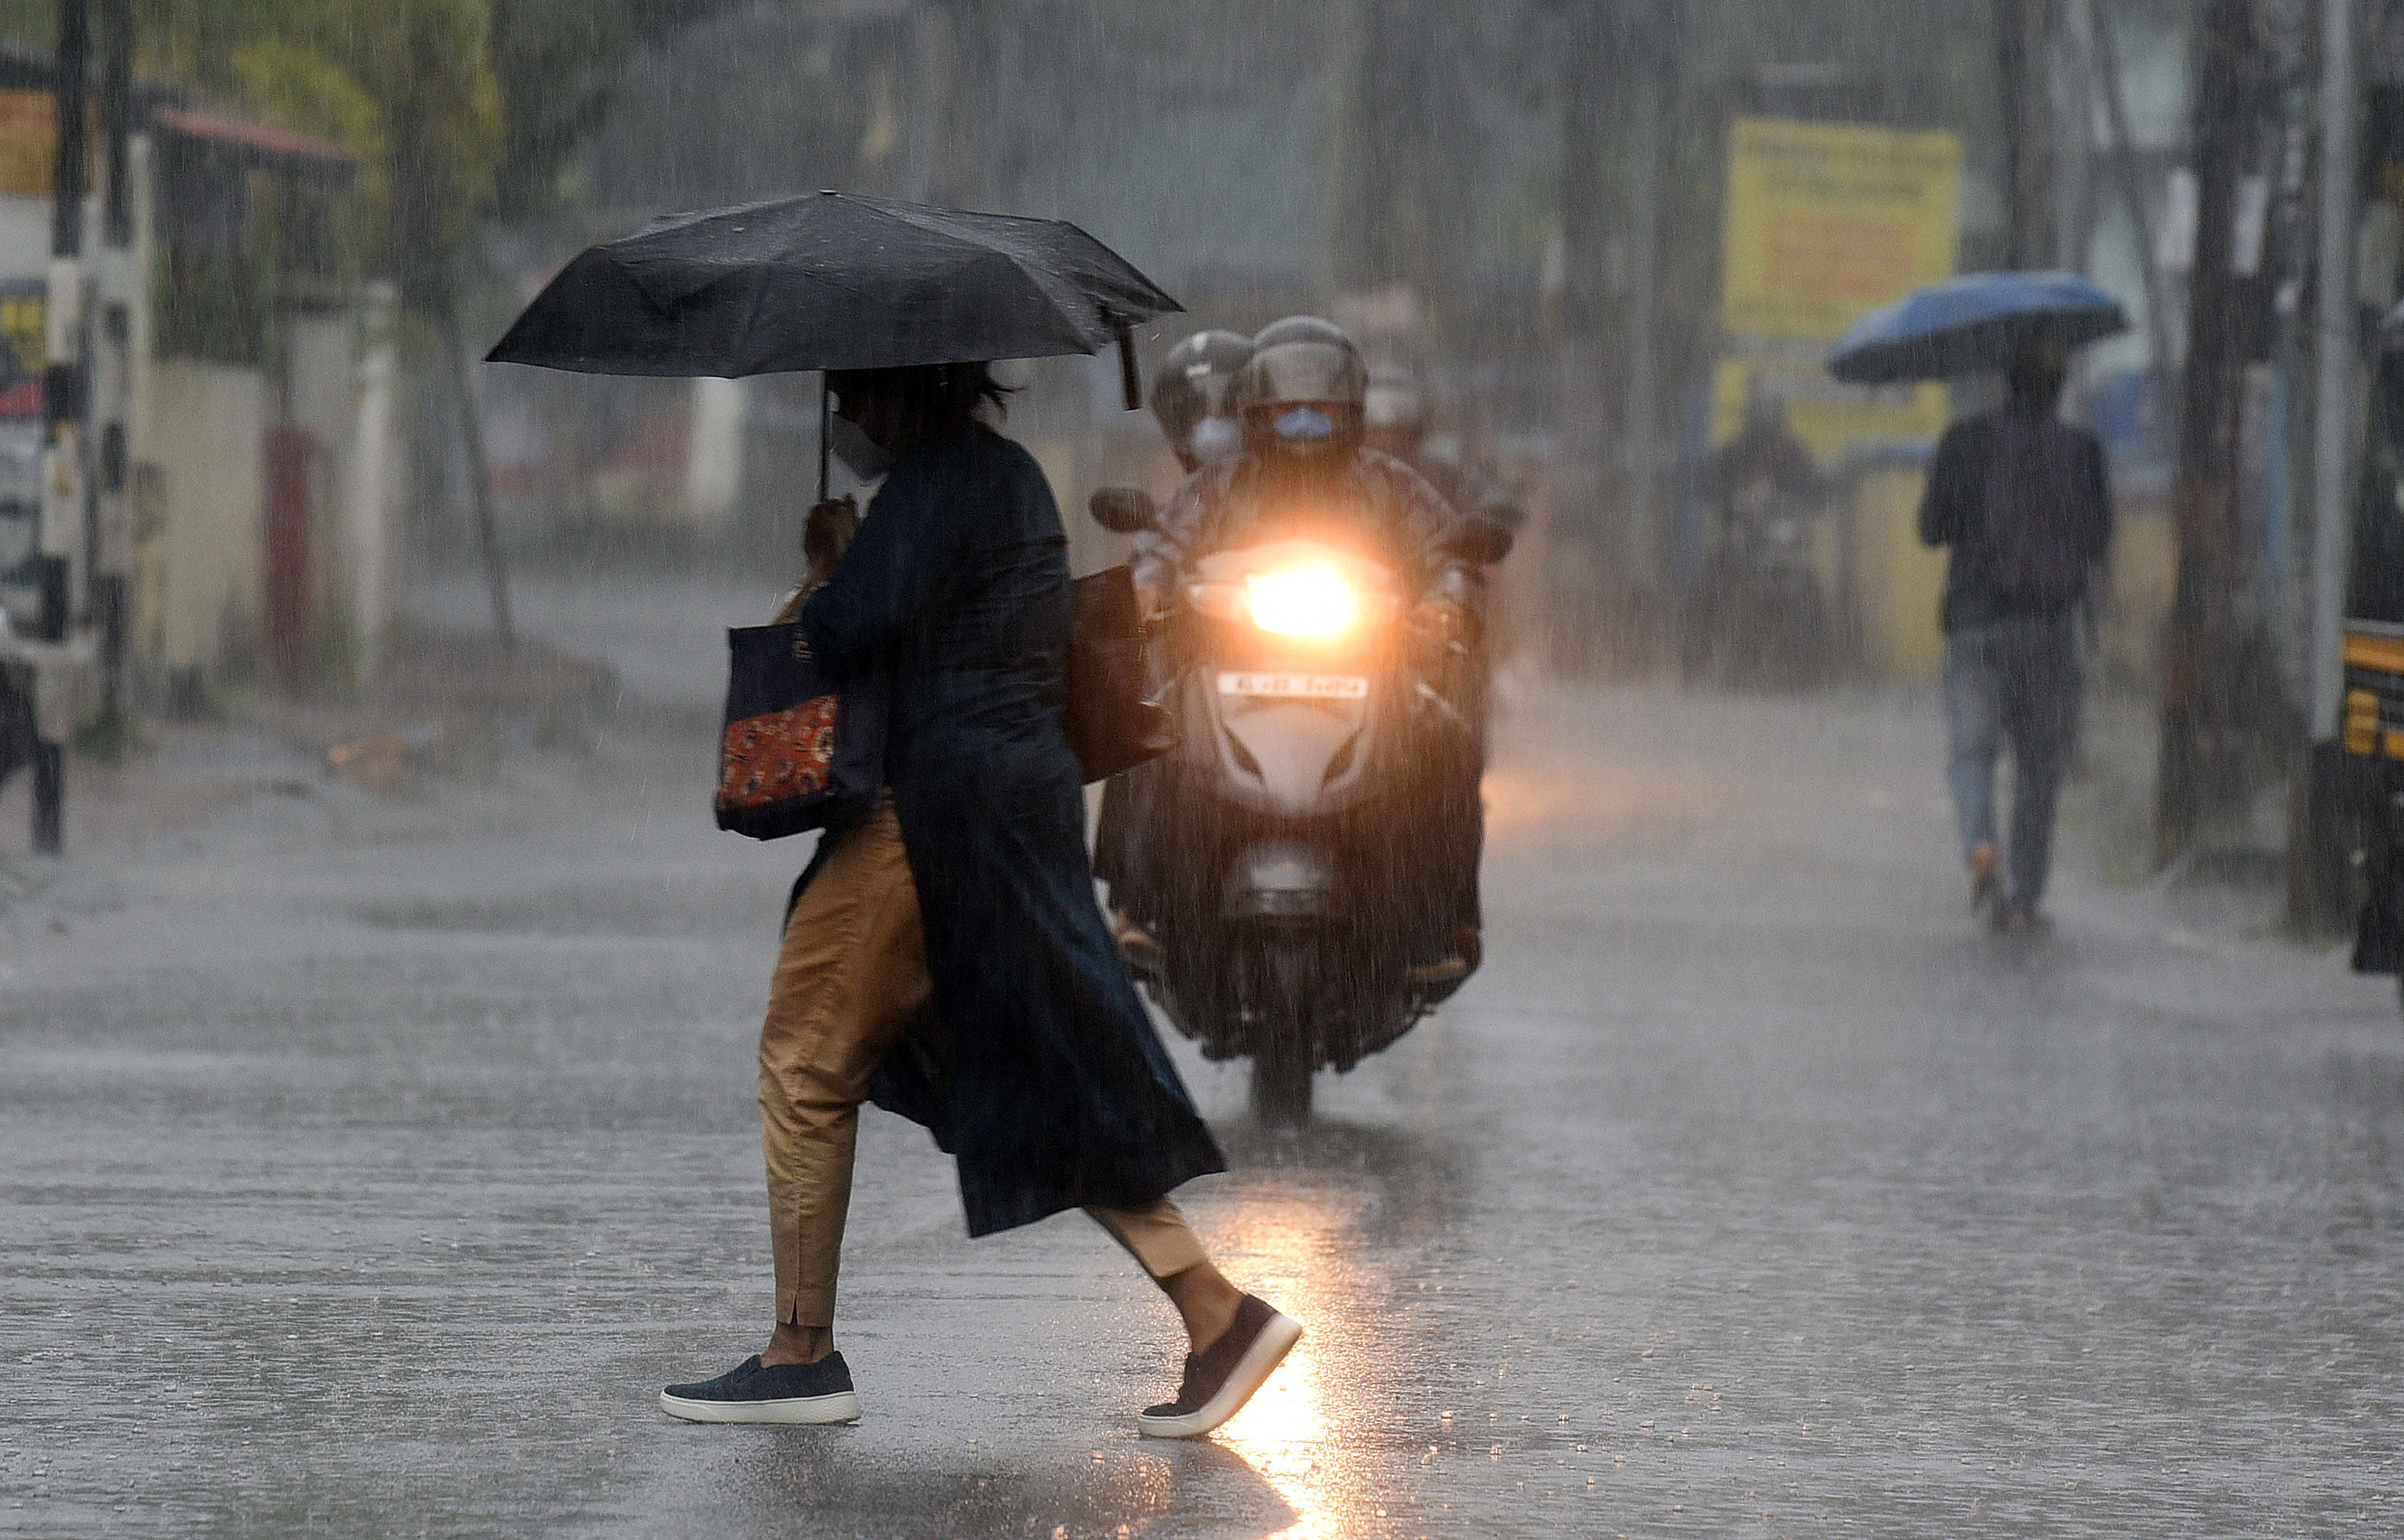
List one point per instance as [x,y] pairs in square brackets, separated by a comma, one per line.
[1971,323]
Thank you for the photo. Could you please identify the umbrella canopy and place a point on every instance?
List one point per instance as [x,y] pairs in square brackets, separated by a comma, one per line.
[830,281]
[1970,323]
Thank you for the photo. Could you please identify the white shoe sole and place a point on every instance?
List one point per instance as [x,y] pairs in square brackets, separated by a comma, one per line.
[1251,1371]
[842,1406]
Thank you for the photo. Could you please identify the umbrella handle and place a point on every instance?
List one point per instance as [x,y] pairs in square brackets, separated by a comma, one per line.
[1130,378]
[826,432]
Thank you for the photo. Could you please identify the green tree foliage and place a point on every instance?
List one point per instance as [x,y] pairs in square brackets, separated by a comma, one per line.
[557,62]
[456,108]
[407,85]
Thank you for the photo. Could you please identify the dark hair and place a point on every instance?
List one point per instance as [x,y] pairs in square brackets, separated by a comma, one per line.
[2036,372]
[936,401]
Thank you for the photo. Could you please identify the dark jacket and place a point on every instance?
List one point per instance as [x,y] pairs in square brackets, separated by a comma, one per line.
[1374,496]
[1045,1077]
[2064,488]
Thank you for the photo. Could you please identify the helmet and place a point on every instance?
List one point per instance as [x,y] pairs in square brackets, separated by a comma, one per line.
[1300,394]
[1192,385]
[1299,328]
[1397,406]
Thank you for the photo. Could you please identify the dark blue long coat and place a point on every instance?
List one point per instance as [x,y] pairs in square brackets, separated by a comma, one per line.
[1045,1078]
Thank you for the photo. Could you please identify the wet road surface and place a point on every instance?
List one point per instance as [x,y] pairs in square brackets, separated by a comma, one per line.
[371,1162]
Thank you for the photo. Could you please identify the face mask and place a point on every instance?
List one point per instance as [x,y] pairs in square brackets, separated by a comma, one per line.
[1216,439]
[860,454]
[1305,425]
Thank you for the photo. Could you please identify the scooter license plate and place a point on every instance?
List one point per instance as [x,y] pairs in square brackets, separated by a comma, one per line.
[1314,687]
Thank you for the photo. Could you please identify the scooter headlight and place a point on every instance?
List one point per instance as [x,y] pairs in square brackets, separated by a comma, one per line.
[1313,602]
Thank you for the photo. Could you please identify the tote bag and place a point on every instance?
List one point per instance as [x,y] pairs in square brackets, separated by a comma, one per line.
[1111,726]
[801,750]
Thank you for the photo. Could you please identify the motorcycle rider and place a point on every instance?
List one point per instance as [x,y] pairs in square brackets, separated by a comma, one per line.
[1166,536]
[1758,478]
[1306,471]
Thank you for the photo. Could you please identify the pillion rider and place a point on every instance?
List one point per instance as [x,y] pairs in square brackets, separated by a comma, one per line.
[1190,398]
[1305,471]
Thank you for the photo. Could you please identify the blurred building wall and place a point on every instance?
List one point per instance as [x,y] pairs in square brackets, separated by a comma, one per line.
[202,568]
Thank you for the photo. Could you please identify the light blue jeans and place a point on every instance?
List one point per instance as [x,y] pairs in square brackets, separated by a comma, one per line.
[2012,684]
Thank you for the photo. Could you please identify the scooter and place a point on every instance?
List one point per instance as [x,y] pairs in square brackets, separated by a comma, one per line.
[1306,714]
[1762,616]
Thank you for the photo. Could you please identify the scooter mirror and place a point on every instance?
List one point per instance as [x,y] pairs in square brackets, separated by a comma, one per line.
[1122,509]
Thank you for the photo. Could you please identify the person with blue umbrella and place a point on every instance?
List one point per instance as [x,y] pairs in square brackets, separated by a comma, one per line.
[2021,502]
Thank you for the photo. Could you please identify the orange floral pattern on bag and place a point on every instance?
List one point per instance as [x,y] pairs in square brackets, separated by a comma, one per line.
[775,758]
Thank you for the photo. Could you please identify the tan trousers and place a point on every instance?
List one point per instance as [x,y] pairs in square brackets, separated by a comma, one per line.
[849,976]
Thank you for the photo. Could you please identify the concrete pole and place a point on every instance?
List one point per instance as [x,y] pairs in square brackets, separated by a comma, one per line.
[2334,364]
[368,497]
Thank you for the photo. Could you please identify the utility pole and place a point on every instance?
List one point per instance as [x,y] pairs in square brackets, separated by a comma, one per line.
[2316,865]
[2204,724]
[63,510]
[1591,393]
[2024,31]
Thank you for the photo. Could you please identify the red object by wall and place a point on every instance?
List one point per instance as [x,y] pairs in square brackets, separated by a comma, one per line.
[287,622]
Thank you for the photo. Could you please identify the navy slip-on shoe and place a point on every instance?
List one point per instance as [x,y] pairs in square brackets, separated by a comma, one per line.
[1223,1377]
[752,1392]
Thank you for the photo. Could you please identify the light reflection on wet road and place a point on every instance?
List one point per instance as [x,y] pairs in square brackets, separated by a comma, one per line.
[371,1165]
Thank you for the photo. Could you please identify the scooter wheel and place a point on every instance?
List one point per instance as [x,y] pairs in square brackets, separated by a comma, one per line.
[1281,1084]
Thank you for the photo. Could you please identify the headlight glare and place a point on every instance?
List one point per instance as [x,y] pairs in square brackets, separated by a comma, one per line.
[1314,602]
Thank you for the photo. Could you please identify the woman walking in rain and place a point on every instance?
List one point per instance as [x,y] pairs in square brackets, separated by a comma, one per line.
[944,954]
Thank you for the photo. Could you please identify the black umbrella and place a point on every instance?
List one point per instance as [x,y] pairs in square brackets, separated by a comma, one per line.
[833,281]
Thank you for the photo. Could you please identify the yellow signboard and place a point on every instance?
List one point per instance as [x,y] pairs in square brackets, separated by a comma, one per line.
[1825,220]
